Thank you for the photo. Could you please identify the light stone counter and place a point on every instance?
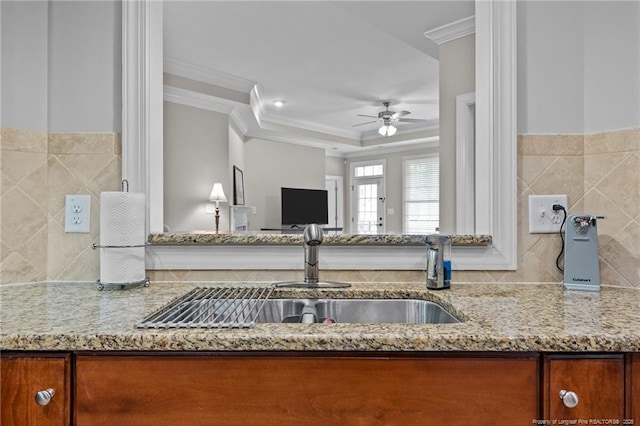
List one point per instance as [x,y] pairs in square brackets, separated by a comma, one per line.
[495,317]
[268,239]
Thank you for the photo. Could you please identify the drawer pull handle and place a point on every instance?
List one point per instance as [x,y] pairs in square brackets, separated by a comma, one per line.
[44,396]
[570,399]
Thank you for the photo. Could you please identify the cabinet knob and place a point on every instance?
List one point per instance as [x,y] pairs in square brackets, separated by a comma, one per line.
[570,399]
[43,397]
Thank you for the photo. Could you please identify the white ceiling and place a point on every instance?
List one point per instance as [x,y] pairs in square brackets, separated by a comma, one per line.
[329,60]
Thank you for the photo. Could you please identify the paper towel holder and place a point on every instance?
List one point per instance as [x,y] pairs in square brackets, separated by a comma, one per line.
[120,286]
[124,185]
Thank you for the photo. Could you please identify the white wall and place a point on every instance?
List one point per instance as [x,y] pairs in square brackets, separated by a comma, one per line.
[550,67]
[578,66]
[196,153]
[236,153]
[457,77]
[61,65]
[85,90]
[335,166]
[612,65]
[279,165]
[24,59]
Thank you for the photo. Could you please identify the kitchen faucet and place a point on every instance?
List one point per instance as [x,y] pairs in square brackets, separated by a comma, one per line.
[313,237]
[438,272]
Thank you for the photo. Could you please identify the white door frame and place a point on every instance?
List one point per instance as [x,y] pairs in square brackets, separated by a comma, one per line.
[383,193]
[339,198]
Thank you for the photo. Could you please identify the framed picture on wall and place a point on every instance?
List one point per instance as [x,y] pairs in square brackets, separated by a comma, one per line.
[238,187]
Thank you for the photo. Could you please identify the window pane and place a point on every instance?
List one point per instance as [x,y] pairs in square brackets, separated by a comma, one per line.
[369,170]
[421,195]
[366,217]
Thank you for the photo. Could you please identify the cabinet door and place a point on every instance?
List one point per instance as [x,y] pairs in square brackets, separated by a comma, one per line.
[22,378]
[598,382]
[309,390]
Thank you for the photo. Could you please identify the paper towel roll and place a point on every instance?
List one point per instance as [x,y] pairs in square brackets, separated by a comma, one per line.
[122,223]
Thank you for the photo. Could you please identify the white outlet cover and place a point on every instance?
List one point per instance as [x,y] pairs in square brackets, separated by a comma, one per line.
[77,214]
[542,218]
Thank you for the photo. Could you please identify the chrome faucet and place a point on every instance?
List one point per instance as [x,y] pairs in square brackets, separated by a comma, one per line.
[312,239]
[436,275]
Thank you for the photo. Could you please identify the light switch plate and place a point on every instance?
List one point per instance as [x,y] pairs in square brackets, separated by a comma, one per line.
[542,218]
[77,214]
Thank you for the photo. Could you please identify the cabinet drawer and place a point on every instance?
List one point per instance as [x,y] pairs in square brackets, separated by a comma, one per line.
[23,377]
[598,382]
[279,390]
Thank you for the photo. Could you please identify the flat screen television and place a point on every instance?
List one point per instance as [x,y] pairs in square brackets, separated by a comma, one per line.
[304,206]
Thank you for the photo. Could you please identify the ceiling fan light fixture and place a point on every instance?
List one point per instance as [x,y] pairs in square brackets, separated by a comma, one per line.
[387,130]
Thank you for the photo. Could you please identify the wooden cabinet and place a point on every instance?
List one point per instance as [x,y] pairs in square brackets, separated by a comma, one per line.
[634,400]
[25,375]
[597,380]
[306,389]
[319,388]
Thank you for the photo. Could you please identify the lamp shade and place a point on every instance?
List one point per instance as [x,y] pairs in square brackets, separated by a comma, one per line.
[217,193]
[387,130]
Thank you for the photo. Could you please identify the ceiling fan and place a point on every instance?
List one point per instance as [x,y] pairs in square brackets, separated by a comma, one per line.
[388,118]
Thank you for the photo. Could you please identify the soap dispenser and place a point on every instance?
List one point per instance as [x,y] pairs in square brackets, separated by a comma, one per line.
[438,269]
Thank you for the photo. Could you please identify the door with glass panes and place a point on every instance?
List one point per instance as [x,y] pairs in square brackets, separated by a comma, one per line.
[369,206]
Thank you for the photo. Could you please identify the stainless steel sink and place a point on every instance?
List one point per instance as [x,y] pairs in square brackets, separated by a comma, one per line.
[372,311]
[206,308]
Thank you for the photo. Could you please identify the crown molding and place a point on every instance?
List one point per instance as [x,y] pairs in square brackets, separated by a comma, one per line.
[422,143]
[199,100]
[313,127]
[238,112]
[259,110]
[256,101]
[241,117]
[207,75]
[287,137]
[452,31]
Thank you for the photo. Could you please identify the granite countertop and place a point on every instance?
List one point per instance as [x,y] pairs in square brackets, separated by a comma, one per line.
[258,238]
[495,317]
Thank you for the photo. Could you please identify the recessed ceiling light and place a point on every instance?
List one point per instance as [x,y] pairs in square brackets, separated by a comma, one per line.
[279,103]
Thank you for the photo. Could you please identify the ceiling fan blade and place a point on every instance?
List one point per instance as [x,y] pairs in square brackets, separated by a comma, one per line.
[362,124]
[370,116]
[411,120]
[400,114]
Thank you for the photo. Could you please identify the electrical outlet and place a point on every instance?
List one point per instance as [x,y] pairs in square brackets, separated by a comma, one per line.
[542,218]
[77,213]
[210,209]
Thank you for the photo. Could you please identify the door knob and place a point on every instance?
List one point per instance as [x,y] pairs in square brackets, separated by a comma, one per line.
[43,397]
[570,399]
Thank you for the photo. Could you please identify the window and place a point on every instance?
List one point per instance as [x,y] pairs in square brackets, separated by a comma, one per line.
[421,194]
[369,170]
